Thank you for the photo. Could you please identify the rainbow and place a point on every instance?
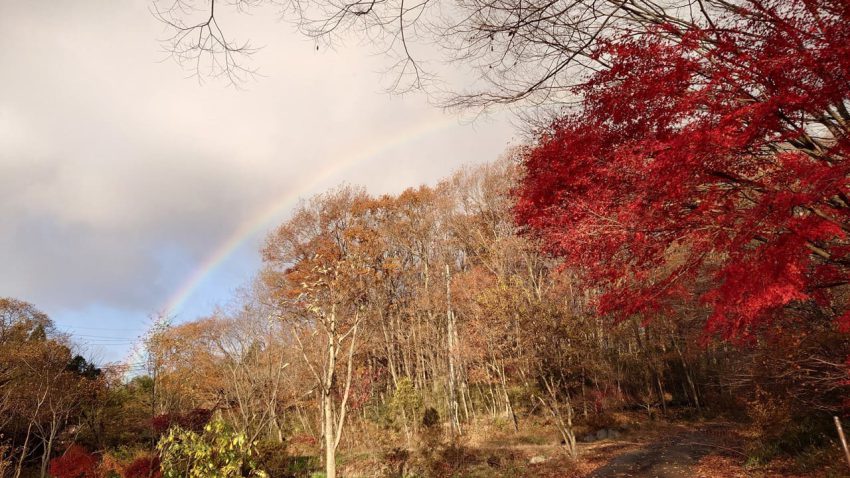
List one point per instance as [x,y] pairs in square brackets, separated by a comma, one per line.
[281,205]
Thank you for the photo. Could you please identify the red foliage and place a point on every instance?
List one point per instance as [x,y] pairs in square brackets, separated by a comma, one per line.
[194,420]
[143,467]
[75,463]
[708,161]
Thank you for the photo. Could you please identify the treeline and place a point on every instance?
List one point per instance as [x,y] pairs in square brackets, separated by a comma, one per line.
[51,397]
[396,319]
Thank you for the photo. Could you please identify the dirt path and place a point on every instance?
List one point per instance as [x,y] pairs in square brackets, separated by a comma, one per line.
[707,449]
[671,456]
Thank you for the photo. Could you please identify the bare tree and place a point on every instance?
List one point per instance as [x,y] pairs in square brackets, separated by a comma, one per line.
[519,52]
[197,42]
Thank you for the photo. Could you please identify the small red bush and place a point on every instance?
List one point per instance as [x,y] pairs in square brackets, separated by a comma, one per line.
[194,420]
[77,462]
[161,423]
[146,466]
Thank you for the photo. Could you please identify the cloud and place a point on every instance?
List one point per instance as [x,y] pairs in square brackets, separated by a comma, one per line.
[118,175]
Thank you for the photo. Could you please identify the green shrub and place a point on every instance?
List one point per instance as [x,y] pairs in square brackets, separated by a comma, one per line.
[406,403]
[216,452]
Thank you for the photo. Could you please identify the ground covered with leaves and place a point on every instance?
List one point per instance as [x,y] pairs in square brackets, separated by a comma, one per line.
[654,449]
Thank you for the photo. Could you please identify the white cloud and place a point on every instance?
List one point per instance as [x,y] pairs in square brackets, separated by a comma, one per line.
[111,160]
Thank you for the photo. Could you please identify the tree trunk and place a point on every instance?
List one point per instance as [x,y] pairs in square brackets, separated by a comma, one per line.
[564,425]
[330,450]
[327,401]
[508,406]
[687,369]
[453,406]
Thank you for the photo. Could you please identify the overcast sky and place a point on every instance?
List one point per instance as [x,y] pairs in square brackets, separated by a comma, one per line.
[119,177]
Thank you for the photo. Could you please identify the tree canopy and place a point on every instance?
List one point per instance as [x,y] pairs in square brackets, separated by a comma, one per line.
[710,161]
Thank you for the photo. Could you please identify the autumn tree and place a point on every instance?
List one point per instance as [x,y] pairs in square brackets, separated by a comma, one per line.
[117,411]
[321,267]
[233,362]
[42,383]
[708,158]
[431,310]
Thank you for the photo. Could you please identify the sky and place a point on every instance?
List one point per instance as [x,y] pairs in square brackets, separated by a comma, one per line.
[127,189]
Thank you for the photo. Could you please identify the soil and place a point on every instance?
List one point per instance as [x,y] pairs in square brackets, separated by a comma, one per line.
[673,456]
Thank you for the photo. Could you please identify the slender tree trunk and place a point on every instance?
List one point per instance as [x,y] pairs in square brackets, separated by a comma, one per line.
[305,422]
[495,409]
[453,405]
[343,406]
[661,393]
[24,450]
[390,351]
[47,446]
[30,425]
[564,424]
[328,432]
[508,406]
[327,401]
[687,369]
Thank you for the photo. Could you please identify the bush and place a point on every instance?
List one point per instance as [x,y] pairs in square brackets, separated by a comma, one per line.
[405,403]
[193,420]
[800,437]
[431,418]
[110,467]
[450,460]
[144,466]
[431,433]
[217,452]
[77,462]
[300,467]
[396,459]
[273,459]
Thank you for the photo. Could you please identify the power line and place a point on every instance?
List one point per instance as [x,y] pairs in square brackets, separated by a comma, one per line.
[65,326]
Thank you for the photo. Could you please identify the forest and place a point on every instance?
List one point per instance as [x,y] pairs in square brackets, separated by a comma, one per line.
[655,283]
[404,336]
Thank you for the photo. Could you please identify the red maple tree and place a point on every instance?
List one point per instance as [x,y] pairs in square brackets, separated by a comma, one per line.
[707,161]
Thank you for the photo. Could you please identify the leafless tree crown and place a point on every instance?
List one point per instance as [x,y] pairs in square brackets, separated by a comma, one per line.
[519,51]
